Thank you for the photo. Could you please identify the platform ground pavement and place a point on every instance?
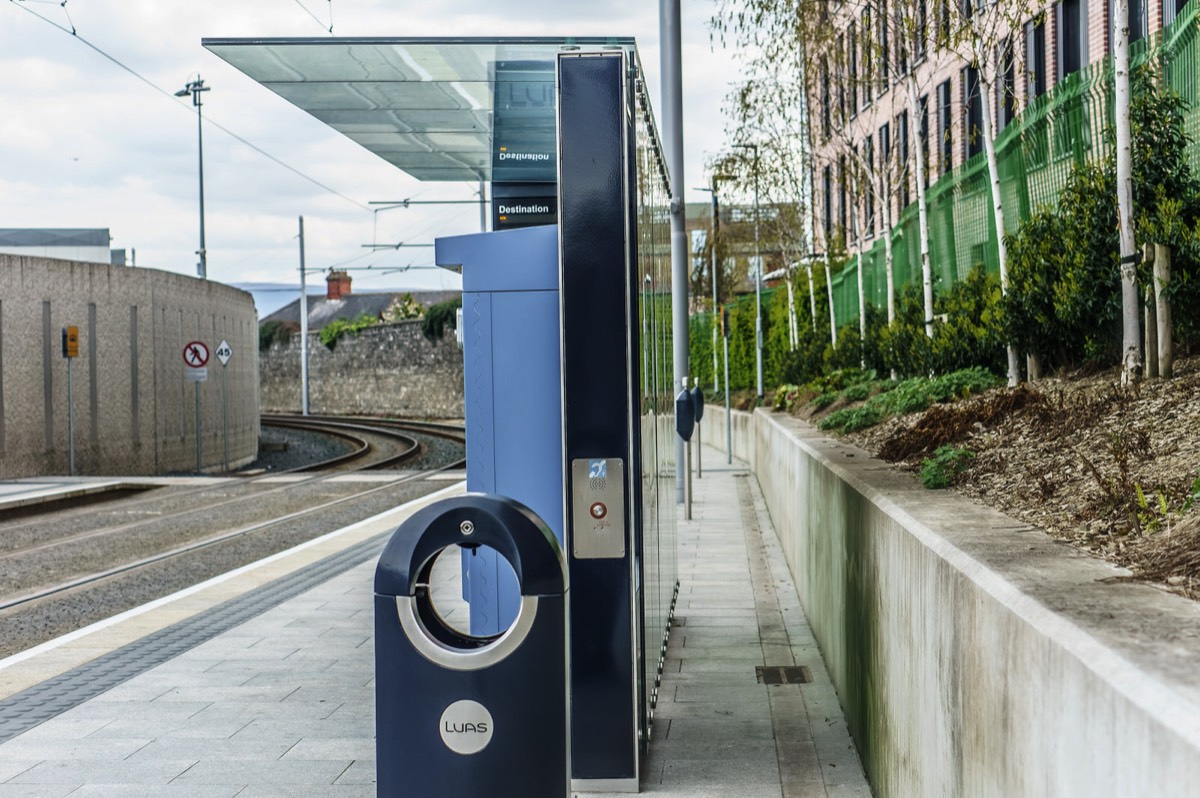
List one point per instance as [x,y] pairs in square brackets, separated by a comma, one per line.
[283,704]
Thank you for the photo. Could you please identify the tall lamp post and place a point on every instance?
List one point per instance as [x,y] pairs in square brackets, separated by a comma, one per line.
[758,333]
[194,88]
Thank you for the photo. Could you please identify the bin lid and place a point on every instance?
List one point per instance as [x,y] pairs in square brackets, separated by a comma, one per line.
[472,519]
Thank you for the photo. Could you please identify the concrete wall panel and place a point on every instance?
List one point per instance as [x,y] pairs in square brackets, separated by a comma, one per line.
[975,656]
[129,375]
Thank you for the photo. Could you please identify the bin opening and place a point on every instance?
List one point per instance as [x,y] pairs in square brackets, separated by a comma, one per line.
[441,607]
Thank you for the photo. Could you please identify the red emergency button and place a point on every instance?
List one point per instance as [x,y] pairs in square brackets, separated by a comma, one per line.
[598,510]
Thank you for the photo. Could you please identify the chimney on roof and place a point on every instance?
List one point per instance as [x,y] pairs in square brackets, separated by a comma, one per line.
[337,285]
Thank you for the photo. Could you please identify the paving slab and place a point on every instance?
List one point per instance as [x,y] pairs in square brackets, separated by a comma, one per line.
[283,704]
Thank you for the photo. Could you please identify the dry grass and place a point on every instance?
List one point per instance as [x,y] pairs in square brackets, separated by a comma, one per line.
[1173,557]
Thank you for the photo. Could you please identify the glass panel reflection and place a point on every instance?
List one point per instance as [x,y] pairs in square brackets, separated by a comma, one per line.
[411,87]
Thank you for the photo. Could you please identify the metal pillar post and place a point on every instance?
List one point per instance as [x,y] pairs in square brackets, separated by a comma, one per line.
[199,461]
[728,419]
[195,88]
[716,226]
[672,94]
[203,253]
[303,328]
[70,419]
[758,331]
[225,417]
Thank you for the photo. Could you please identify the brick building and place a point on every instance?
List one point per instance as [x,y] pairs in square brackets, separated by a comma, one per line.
[860,105]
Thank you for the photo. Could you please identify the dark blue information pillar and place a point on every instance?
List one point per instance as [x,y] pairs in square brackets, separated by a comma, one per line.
[598,377]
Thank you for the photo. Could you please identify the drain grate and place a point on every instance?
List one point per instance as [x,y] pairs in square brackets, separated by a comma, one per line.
[782,674]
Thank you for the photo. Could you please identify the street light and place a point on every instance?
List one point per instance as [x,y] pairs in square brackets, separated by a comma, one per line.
[758,336]
[194,88]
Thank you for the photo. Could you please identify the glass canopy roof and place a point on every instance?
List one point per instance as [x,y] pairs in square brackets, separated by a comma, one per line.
[426,105]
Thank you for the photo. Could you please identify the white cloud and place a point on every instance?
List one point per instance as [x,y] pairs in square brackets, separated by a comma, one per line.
[84,143]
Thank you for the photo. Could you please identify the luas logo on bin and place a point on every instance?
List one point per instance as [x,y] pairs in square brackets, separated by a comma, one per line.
[466,727]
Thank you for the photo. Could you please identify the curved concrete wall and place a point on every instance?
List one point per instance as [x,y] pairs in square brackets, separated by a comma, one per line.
[973,655]
[135,412]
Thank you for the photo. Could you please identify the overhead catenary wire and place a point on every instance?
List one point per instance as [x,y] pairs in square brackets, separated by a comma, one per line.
[317,19]
[171,95]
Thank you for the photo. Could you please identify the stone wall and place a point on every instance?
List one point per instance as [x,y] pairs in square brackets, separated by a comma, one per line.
[134,411]
[387,369]
[973,654]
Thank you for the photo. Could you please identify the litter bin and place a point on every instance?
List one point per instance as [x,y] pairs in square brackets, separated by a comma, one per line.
[460,716]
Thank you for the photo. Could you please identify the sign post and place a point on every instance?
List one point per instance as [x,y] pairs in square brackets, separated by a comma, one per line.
[224,353]
[70,351]
[195,357]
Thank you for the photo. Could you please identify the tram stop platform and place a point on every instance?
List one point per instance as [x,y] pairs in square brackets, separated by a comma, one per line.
[261,682]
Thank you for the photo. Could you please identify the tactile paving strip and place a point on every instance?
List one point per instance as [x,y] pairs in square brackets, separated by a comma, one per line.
[33,706]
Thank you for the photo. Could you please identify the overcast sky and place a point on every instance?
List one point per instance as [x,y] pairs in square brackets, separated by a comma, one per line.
[85,144]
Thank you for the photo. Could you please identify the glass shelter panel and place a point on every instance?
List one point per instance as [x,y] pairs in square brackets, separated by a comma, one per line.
[657,409]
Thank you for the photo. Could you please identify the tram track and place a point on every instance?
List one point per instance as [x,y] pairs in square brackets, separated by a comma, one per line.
[203,543]
[149,546]
[150,501]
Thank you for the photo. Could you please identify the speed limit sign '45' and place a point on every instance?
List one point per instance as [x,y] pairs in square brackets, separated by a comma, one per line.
[224,352]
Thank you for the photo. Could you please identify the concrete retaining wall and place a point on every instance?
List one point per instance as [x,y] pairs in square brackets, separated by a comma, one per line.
[973,655]
[390,368]
[134,409]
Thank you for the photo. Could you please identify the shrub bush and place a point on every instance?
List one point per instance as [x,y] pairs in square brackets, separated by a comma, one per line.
[275,332]
[947,463]
[332,332]
[440,316]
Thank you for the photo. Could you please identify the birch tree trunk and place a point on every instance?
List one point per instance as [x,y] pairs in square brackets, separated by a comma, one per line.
[885,190]
[1150,331]
[858,248]
[1166,342]
[922,208]
[791,316]
[986,89]
[832,314]
[1130,334]
[812,298]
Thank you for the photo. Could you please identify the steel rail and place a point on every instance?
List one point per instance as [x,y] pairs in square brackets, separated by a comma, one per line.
[208,542]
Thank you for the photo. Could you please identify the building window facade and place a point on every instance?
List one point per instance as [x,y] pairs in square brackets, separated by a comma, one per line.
[852,60]
[945,128]
[881,36]
[868,60]
[841,178]
[1035,58]
[1072,36]
[840,73]
[923,133]
[1006,86]
[826,101]
[973,116]
[827,190]
[921,34]
[869,158]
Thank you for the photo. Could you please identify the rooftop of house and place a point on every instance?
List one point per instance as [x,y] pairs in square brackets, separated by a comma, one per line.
[340,303]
